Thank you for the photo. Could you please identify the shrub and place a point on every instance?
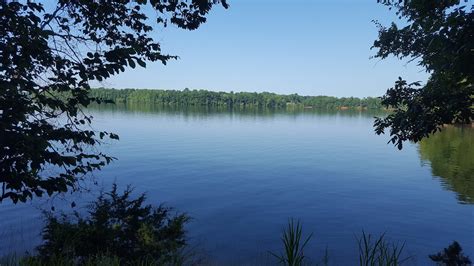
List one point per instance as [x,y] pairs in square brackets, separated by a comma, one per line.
[451,256]
[118,227]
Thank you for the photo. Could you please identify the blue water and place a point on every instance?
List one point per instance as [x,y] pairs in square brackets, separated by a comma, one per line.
[242,175]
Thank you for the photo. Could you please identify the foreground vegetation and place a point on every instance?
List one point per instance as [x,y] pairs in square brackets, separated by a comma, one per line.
[117,230]
[121,230]
[188,97]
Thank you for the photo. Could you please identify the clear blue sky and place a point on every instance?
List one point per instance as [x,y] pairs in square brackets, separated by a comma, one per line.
[308,47]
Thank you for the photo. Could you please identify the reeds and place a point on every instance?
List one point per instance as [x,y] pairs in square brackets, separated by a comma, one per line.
[379,252]
[293,243]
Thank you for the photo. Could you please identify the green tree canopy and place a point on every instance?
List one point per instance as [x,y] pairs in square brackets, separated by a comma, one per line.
[47,59]
[213,98]
[439,36]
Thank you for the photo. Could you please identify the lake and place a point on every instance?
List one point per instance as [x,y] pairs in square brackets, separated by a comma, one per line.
[242,174]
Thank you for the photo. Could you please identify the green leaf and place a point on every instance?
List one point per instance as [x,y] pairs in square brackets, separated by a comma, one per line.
[131,63]
[141,63]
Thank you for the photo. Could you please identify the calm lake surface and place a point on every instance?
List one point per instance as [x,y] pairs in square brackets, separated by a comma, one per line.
[242,174]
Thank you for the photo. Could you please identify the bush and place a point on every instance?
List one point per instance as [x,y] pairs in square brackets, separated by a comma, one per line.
[451,256]
[117,227]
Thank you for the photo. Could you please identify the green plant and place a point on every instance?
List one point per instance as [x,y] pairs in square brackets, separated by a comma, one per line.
[293,244]
[451,256]
[379,252]
[117,228]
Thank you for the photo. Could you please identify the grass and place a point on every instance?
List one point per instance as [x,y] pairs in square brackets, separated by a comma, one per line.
[294,244]
[379,252]
[372,251]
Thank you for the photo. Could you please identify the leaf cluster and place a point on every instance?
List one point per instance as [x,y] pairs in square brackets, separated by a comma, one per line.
[438,35]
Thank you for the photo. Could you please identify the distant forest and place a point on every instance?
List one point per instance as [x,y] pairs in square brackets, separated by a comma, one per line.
[188,97]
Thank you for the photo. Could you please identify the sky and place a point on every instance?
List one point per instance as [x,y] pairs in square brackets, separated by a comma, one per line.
[317,47]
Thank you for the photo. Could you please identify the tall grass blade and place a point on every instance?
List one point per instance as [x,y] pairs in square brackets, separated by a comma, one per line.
[293,254]
[379,252]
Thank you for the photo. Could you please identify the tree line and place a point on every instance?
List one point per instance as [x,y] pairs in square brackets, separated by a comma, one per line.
[188,97]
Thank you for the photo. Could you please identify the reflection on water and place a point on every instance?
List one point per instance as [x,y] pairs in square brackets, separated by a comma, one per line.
[451,156]
[450,152]
[206,111]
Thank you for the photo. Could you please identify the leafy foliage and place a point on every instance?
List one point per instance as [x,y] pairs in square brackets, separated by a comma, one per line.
[119,227]
[230,99]
[294,245]
[47,59]
[451,256]
[438,35]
